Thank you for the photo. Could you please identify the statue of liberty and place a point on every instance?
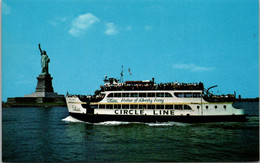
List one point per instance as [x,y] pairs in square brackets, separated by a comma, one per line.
[44,61]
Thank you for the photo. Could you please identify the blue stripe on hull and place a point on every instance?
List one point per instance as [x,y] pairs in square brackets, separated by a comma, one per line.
[144,118]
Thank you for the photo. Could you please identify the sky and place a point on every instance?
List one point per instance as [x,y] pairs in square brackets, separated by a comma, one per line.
[212,41]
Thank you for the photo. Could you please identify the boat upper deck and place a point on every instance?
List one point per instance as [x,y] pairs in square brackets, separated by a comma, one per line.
[112,84]
[189,90]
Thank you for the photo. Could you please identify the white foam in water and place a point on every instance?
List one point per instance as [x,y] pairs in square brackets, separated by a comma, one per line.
[111,123]
[115,123]
[167,124]
[71,119]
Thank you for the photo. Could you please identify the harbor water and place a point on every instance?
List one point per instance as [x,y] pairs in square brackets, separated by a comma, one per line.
[35,134]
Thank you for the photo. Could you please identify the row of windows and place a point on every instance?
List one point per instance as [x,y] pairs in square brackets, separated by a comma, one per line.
[156,94]
[224,106]
[144,94]
[151,94]
[124,106]
[187,94]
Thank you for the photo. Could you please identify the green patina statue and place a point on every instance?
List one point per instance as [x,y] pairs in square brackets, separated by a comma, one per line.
[44,61]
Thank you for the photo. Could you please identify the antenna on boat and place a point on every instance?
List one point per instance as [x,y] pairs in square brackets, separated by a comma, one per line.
[121,78]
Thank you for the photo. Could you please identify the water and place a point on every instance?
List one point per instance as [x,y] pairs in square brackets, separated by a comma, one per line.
[50,135]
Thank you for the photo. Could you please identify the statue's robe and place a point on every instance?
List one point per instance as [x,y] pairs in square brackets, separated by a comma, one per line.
[44,63]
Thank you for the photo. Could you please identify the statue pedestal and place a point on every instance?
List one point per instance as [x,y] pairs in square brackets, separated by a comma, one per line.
[44,87]
[44,83]
[43,95]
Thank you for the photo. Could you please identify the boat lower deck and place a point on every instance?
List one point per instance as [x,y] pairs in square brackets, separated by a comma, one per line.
[94,118]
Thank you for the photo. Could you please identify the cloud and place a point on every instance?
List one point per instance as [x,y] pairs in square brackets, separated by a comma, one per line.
[192,67]
[58,20]
[111,29]
[81,23]
[5,8]
[148,28]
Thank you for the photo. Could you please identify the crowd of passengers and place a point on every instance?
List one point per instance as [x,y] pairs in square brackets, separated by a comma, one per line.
[151,86]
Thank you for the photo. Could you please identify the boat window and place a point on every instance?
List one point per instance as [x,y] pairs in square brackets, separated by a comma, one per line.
[134,95]
[133,106]
[117,106]
[198,107]
[102,107]
[160,94]
[196,95]
[94,106]
[179,94]
[117,94]
[178,107]
[110,95]
[142,94]
[142,107]
[151,106]
[151,94]
[125,94]
[207,107]
[125,106]
[216,106]
[187,107]
[167,94]
[188,95]
[224,106]
[159,106]
[109,106]
[168,106]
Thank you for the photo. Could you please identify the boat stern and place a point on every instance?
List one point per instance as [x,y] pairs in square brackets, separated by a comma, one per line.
[74,105]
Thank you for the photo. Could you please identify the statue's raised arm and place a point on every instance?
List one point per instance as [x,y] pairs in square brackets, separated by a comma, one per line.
[40,48]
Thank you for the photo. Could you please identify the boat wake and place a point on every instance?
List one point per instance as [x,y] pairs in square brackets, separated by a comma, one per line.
[168,124]
[71,119]
[116,123]
[113,123]
[253,122]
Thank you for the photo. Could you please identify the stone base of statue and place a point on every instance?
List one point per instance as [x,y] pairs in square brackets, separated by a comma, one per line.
[44,87]
[43,95]
[44,83]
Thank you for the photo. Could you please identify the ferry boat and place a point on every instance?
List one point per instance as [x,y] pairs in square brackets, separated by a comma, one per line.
[146,101]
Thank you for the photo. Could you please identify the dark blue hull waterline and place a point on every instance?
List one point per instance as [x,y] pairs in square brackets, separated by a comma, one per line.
[93,118]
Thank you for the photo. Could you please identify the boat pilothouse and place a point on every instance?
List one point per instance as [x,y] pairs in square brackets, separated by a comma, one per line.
[146,101]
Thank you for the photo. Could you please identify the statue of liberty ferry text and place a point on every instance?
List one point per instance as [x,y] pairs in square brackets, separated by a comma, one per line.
[44,61]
